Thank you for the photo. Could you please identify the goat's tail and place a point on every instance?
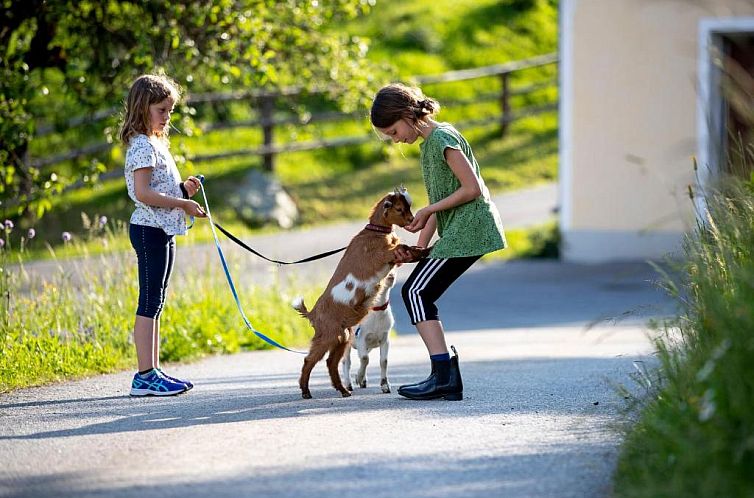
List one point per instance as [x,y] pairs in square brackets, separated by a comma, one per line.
[298,305]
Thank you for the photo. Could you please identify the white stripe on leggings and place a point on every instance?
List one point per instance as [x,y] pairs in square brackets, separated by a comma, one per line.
[429,271]
[414,289]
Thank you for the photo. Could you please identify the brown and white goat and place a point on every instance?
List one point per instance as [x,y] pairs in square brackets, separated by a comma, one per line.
[356,281]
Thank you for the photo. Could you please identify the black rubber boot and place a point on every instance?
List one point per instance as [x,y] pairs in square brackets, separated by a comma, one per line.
[444,382]
[434,369]
[454,389]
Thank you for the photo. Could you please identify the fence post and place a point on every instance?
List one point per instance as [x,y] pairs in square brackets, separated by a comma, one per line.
[505,105]
[266,107]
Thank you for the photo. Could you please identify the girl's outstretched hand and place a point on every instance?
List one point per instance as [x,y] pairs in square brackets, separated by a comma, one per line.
[420,219]
[409,254]
[192,208]
[191,185]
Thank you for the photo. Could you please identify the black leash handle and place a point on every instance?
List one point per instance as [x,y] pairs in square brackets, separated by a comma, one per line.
[305,260]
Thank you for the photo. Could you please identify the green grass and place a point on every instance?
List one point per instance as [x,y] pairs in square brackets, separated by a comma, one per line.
[59,329]
[695,430]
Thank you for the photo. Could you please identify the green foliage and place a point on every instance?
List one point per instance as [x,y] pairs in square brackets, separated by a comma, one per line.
[695,435]
[65,58]
[324,188]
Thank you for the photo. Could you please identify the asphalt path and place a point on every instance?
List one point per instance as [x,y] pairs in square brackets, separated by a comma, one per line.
[543,347]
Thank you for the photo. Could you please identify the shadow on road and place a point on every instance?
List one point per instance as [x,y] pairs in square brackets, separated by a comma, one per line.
[521,386]
[541,293]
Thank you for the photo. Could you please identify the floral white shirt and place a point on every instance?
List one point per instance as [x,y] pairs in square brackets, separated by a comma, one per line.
[144,152]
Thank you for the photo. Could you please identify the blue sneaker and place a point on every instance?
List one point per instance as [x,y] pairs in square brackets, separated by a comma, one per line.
[155,384]
[188,384]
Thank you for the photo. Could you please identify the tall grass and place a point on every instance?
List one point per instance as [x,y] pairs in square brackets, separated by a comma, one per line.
[79,320]
[695,435]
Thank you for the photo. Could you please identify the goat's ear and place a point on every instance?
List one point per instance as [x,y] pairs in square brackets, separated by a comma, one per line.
[387,204]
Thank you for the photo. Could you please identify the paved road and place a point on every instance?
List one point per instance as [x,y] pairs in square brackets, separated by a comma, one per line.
[520,209]
[542,346]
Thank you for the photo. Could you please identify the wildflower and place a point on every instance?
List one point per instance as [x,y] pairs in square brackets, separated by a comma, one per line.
[31,234]
[8,225]
[102,221]
[2,243]
[67,236]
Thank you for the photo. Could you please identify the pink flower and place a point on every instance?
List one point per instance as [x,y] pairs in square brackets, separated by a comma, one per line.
[67,236]
[102,221]
[2,243]
[31,234]
[8,225]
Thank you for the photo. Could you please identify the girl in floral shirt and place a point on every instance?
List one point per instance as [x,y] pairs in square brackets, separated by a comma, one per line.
[162,201]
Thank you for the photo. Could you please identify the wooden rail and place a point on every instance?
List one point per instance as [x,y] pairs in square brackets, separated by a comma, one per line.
[264,102]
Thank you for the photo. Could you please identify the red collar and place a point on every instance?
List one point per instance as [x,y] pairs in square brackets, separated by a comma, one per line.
[383,307]
[379,228]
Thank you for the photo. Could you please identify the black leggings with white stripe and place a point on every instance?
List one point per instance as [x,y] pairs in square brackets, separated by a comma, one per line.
[429,280]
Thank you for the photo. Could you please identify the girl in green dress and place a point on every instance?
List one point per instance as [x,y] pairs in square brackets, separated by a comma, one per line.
[459,210]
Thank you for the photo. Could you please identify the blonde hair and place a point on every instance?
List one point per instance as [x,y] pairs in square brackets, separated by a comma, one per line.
[397,101]
[148,89]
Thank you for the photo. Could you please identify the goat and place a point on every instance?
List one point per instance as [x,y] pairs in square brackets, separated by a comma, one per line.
[373,331]
[358,278]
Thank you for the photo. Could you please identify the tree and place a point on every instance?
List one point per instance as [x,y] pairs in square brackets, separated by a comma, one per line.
[67,57]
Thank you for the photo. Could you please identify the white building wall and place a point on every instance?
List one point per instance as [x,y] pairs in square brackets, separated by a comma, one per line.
[629,122]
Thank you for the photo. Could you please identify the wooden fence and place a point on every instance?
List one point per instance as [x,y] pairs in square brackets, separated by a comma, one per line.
[267,120]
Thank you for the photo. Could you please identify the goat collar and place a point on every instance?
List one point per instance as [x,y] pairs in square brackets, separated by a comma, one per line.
[379,228]
[381,308]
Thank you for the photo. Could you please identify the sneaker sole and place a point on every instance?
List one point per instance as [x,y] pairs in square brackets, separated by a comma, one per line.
[147,392]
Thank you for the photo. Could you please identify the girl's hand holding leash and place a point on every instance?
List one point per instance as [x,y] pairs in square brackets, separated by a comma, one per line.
[193,208]
[192,185]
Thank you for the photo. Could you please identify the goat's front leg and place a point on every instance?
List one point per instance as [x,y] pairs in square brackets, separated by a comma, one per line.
[347,364]
[415,252]
[384,384]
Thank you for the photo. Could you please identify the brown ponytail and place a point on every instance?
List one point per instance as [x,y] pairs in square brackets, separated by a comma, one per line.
[396,101]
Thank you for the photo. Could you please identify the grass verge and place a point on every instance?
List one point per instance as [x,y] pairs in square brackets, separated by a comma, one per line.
[79,321]
[695,431]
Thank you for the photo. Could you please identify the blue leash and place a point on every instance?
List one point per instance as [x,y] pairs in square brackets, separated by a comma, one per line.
[230,279]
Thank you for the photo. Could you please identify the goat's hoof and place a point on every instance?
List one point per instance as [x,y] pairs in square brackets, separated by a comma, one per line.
[349,387]
[385,388]
[363,384]
[306,395]
[345,393]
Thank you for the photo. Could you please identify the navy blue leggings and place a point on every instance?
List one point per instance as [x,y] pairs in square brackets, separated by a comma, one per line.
[155,251]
